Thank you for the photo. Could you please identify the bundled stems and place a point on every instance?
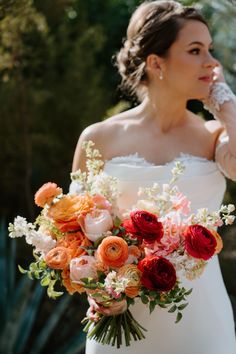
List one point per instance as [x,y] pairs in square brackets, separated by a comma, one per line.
[112,329]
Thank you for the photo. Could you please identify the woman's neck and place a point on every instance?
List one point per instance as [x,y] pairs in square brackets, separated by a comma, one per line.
[166,113]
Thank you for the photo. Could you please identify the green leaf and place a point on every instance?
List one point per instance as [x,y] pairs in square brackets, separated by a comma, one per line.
[178,317]
[152,306]
[115,232]
[172,309]
[144,299]
[181,307]
[162,306]
[188,292]
[117,222]
[23,271]
[45,281]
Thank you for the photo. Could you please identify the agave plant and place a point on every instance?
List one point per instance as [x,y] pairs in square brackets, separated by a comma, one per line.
[22,327]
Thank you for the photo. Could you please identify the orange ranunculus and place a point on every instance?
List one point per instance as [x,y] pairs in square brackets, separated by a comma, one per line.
[219,242]
[66,211]
[46,194]
[74,242]
[113,251]
[133,274]
[70,286]
[58,258]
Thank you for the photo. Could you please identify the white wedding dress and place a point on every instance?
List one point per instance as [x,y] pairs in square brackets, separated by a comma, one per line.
[207,326]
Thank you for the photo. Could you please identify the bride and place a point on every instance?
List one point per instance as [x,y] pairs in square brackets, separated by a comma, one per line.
[167,60]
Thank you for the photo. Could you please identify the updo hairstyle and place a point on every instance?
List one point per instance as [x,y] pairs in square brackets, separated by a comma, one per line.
[153,28]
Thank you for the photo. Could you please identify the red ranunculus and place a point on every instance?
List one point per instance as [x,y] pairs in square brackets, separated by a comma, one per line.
[157,273]
[199,242]
[129,227]
[145,226]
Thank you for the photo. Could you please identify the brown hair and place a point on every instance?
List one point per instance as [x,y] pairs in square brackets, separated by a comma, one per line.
[153,28]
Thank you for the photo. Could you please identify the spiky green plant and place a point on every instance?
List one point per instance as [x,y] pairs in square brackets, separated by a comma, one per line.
[21,306]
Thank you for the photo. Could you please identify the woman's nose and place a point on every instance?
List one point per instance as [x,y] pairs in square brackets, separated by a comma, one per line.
[210,61]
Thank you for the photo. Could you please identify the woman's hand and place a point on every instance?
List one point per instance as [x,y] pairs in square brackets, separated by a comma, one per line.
[221,100]
[114,309]
[218,75]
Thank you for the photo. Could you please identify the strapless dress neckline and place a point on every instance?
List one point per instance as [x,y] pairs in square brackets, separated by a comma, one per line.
[136,159]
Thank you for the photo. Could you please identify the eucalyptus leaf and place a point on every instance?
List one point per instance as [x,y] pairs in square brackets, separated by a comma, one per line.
[178,317]
[188,292]
[181,307]
[172,309]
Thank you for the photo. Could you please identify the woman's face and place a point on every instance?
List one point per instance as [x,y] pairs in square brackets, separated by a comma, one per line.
[188,68]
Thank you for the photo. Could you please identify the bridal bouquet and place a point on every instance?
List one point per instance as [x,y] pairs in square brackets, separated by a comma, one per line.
[83,242]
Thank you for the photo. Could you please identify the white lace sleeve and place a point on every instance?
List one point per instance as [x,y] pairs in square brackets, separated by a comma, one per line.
[225,160]
[220,93]
[225,154]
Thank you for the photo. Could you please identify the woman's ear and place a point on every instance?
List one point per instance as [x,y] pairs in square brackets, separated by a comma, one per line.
[153,65]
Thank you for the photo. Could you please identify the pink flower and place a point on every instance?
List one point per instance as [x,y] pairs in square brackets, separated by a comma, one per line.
[83,267]
[46,194]
[173,230]
[96,223]
[181,203]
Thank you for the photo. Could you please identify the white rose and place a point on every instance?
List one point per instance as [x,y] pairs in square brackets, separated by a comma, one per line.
[97,223]
[229,220]
[146,205]
[83,267]
[231,208]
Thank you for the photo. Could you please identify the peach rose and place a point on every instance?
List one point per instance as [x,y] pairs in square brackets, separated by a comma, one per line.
[70,287]
[57,258]
[219,242]
[74,243]
[113,251]
[101,202]
[133,274]
[46,194]
[96,223]
[83,267]
[134,254]
[66,211]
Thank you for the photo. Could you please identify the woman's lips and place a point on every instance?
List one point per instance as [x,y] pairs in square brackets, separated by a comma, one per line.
[206,79]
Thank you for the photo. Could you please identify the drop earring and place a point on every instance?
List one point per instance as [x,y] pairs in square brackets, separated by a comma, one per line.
[161,75]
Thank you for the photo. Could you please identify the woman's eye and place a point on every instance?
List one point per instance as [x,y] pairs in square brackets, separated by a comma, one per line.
[211,50]
[194,51]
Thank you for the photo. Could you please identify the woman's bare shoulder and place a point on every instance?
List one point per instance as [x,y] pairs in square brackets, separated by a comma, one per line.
[208,133]
[212,127]
[103,134]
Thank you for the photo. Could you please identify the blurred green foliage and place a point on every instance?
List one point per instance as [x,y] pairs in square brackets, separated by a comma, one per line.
[57,77]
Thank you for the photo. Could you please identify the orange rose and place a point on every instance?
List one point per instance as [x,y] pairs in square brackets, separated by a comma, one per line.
[57,258]
[74,242]
[113,251]
[219,242]
[46,194]
[69,285]
[66,211]
[133,274]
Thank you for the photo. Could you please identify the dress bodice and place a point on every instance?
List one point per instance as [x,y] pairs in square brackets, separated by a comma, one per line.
[209,311]
[201,182]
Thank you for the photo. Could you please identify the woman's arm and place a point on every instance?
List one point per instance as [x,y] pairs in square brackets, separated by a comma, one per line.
[222,104]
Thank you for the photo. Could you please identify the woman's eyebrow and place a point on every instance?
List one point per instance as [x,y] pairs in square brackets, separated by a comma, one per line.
[199,43]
